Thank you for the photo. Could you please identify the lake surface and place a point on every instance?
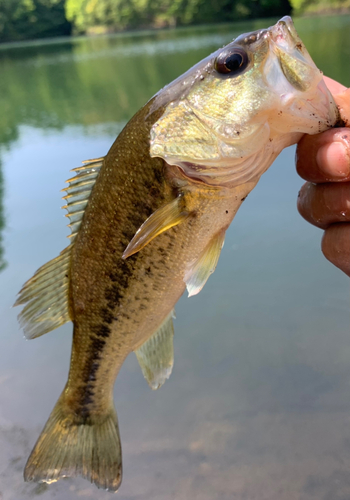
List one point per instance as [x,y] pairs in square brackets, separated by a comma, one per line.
[258,405]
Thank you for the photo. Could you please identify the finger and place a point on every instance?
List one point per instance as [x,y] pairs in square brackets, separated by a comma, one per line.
[334,86]
[325,204]
[342,101]
[325,157]
[336,247]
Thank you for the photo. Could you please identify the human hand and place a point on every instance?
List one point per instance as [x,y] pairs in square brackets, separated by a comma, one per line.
[324,161]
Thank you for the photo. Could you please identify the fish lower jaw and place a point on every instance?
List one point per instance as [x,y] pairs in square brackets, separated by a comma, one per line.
[309,114]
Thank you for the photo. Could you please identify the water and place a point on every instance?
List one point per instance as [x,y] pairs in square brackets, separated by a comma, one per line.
[258,405]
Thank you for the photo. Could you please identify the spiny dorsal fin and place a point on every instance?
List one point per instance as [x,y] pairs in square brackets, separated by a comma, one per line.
[46,293]
[156,355]
[46,297]
[78,192]
[200,270]
[161,220]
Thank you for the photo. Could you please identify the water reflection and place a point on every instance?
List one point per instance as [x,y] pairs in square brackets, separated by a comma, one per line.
[2,219]
[258,405]
[107,79]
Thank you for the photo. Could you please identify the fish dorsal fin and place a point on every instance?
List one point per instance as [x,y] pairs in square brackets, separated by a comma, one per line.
[45,295]
[161,220]
[78,192]
[200,270]
[156,355]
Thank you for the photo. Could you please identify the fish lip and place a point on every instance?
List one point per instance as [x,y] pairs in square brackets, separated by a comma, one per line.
[284,29]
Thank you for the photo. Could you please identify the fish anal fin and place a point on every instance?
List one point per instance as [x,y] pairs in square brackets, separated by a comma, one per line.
[200,270]
[161,220]
[68,447]
[156,355]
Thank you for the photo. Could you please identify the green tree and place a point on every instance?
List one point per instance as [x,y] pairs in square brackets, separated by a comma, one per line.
[319,6]
[124,14]
[29,19]
[115,14]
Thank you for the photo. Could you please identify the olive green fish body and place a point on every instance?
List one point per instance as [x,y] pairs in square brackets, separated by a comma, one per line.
[119,303]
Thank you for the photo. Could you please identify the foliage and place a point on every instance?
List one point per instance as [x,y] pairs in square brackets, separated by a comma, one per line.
[28,19]
[123,14]
[319,6]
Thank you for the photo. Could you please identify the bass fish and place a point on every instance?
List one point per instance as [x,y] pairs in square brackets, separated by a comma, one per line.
[149,219]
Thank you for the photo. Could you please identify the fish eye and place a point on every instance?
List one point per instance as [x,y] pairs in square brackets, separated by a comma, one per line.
[231,61]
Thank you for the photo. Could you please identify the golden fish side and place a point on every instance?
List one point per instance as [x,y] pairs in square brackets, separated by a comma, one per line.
[150,219]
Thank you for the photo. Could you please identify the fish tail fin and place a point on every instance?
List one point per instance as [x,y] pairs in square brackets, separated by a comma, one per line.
[67,448]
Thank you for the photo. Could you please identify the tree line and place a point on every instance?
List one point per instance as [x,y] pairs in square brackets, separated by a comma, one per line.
[31,19]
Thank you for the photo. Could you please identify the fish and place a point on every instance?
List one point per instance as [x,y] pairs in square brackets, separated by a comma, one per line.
[149,219]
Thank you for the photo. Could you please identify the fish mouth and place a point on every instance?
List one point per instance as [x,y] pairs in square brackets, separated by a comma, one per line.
[284,32]
[295,62]
[307,95]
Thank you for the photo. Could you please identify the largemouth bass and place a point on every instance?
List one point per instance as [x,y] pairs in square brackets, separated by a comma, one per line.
[149,219]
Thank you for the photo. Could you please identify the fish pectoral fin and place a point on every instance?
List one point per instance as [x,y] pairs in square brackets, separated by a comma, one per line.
[161,220]
[46,297]
[156,355]
[200,270]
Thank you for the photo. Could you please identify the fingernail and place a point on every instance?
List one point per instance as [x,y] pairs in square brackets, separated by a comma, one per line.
[333,159]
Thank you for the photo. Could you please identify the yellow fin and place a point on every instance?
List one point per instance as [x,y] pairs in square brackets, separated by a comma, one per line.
[156,355]
[46,297]
[200,270]
[69,447]
[161,220]
[78,192]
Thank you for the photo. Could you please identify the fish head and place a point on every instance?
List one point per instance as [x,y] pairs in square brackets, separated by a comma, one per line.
[227,118]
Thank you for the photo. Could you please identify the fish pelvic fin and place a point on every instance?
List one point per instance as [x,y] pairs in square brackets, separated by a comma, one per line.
[156,355]
[68,447]
[161,220]
[46,297]
[199,271]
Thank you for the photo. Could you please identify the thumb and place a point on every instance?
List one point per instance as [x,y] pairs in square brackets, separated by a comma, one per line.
[342,98]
